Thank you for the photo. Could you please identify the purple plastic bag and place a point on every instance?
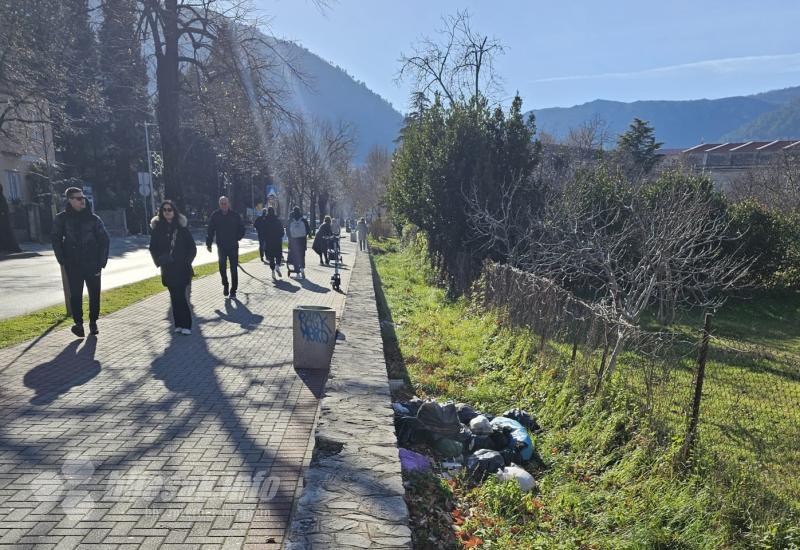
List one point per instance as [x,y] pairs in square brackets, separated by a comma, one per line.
[413,462]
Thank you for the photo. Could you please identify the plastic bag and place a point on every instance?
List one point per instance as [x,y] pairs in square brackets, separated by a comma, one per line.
[441,420]
[449,447]
[525,418]
[484,462]
[525,480]
[413,462]
[466,413]
[522,441]
[480,425]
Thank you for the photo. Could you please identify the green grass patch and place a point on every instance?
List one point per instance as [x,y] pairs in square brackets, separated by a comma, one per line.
[28,326]
[610,479]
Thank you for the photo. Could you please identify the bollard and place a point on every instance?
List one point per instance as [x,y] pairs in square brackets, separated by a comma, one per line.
[314,336]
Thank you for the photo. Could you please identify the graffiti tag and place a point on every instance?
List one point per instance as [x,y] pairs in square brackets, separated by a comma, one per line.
[313,327]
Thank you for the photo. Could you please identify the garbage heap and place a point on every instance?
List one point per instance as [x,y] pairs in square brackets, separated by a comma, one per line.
[466,438]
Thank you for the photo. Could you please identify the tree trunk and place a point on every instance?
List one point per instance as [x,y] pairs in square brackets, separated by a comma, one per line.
[167,76]
[612,362]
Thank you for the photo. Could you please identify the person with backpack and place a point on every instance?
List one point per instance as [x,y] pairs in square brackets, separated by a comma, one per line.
[173,250]
[298,231]
[273,241]
[228,228]
[81,243]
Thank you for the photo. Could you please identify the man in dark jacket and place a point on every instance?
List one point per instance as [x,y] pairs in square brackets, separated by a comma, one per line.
[228,228]
[80,242]
[261,228]
[273,241]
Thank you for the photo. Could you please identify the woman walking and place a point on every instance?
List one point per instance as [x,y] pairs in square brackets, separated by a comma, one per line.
[361,228]
[298,231]
[173,250]
[320,244]
[273,241]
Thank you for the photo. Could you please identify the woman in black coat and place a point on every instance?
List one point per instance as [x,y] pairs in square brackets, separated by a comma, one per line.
[273,241]
[173,250]
[320,244]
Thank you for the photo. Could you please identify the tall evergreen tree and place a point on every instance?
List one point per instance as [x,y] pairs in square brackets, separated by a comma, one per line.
[639,146]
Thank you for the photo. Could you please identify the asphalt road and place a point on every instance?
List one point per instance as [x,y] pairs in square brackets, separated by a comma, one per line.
[32,280]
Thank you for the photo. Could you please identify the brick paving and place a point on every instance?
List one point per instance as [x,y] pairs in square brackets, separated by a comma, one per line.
[141,438]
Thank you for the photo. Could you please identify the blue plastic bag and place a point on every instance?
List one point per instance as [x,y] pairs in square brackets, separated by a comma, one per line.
[520,435]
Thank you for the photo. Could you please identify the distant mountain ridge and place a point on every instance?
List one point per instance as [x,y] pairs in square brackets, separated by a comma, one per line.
[765,116]
[328,92]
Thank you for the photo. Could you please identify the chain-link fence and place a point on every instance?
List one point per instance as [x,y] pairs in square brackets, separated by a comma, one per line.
[734,404]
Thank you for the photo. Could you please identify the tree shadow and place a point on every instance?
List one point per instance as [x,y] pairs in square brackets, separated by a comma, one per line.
[72,367]
[36,340]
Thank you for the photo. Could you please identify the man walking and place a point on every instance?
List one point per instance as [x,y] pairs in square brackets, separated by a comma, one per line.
[261,228]
[80,243]
[228,228]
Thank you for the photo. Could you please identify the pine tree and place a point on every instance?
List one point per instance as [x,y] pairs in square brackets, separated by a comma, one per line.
[638,145]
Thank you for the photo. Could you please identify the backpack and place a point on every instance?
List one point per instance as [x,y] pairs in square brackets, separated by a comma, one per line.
[297,229]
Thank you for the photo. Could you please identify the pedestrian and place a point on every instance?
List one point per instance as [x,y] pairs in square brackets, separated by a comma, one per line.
[361,228]
[321,239]
[335,227]
[298,231]
[261,226]
[273,241]
[228,228]
[173,250]
[80,243]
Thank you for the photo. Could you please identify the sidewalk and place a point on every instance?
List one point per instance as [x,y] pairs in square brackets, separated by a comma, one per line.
[144,439]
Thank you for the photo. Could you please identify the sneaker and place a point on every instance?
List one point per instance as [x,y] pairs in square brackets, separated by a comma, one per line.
[178,330]
[93,329]
[77,330]
[224,290]
[278,271]
[274,278]
[186,331]
[233,295]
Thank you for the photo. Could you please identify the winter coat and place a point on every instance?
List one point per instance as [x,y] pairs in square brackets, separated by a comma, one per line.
[320,243]
[228,228]
[80,240]
[336,228]
[178,272]
[272,236]
[261,227]
[362,231]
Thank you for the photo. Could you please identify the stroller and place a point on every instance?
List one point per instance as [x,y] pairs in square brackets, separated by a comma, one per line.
[335,254]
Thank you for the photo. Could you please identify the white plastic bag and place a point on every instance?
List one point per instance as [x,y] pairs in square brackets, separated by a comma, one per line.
[525,480]
[480,425]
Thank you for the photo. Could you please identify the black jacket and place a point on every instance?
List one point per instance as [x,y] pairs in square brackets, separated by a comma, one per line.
[80,240]
[228,228]
[178,272]
[320,243]
[270,230]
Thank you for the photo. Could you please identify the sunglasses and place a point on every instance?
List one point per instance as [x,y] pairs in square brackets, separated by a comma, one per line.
[166,210]
[81,198]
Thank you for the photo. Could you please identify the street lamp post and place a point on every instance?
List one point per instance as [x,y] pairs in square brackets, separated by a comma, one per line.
[150,166]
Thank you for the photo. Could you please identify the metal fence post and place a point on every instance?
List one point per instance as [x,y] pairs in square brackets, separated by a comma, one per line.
[699,377]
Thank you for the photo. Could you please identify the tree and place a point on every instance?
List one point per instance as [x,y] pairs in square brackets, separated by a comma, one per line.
[638,146]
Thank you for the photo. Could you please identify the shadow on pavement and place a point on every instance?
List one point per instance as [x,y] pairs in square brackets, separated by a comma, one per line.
[72,367]
[313,287]
[237,312]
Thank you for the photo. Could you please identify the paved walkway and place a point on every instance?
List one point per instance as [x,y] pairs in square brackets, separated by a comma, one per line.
[140,438]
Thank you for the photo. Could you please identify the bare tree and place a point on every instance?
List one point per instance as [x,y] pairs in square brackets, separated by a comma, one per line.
[459,65]
[365,186]
[776,184]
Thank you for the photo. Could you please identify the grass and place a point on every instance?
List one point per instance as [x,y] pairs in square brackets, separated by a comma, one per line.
[31,325]
[609,482]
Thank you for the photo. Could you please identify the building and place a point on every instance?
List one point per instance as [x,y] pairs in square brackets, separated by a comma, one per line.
[724,162]
[22,146]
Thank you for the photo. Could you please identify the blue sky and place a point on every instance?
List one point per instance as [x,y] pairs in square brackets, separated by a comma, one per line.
[561,53]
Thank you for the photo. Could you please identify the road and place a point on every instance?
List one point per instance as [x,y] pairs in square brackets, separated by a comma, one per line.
[32,280]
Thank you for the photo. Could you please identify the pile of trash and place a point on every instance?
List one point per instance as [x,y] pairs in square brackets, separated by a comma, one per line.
[466,438]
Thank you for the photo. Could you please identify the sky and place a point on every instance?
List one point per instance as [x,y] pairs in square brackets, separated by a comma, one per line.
[566,52]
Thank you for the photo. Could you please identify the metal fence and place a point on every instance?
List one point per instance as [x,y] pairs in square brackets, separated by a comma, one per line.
[735,404]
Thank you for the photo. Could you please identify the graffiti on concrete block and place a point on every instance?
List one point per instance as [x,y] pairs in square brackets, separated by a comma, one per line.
[313,327]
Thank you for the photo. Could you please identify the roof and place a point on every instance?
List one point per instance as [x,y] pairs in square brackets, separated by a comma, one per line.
[746,147]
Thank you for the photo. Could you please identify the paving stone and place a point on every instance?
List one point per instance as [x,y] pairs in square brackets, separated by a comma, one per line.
[143,438]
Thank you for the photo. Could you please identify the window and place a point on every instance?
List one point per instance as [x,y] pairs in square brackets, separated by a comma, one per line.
[13,190]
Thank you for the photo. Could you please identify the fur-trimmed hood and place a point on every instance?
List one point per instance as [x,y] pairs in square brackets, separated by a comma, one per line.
[182,221]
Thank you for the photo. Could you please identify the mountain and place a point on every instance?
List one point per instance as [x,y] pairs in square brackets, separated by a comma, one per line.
[686,123]
[328,92]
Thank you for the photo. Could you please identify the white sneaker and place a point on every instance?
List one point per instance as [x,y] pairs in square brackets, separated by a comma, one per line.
[278,271]
[178,330]
[186,331]
[303,272]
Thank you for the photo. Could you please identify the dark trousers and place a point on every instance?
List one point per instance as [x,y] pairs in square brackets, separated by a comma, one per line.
[231,254]
[76,278]
[275,261]
[362,244]
[262,248]
[323,257]
[180,306]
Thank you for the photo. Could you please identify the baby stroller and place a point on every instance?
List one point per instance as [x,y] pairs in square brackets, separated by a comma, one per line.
[335,254]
